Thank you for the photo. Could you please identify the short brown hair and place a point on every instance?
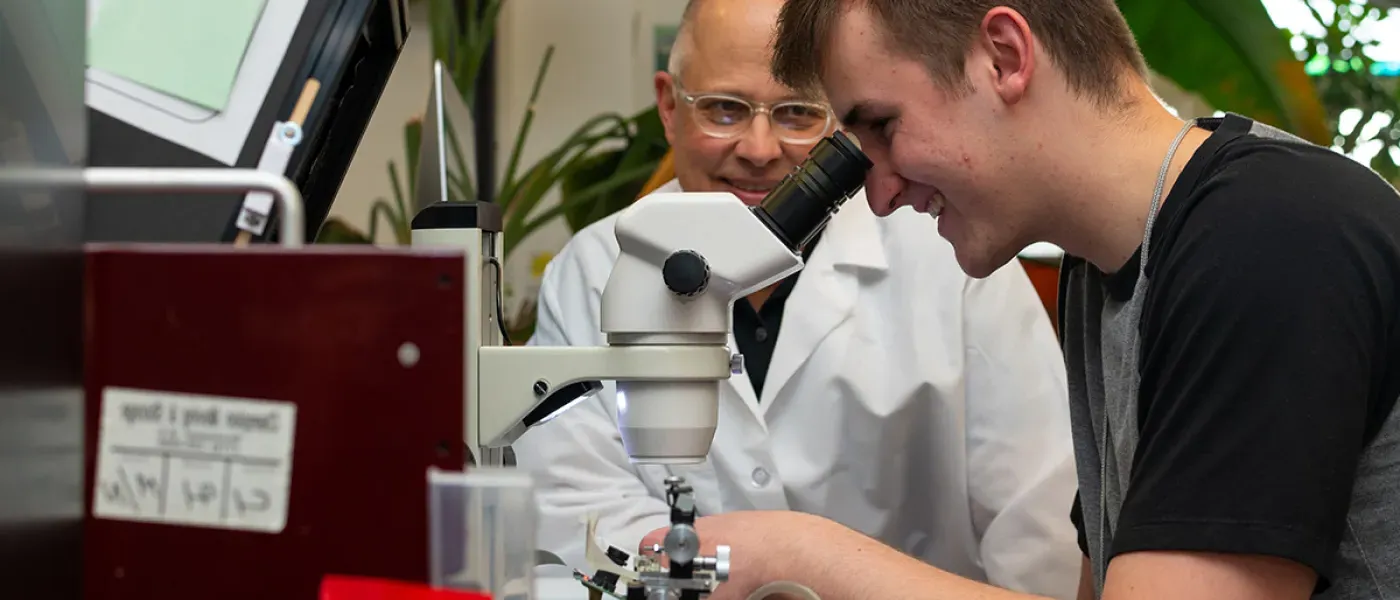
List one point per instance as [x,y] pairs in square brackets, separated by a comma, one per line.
[1088,39]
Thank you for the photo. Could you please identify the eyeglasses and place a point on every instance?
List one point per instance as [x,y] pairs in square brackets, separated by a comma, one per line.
[725,116]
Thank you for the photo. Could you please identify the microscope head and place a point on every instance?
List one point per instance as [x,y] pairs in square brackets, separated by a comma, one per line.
[685,259]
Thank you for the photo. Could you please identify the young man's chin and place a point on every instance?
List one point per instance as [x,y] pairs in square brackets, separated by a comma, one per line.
[977,263]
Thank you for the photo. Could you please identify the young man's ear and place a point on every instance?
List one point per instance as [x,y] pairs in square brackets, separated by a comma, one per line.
[666,103]
[1006,38]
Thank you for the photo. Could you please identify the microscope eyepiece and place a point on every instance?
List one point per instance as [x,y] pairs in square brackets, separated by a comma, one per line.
[798,209]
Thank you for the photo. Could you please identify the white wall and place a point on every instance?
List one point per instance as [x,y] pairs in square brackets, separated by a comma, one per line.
[602,62]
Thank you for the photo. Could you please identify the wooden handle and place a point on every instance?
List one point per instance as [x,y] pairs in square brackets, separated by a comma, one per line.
[308,96]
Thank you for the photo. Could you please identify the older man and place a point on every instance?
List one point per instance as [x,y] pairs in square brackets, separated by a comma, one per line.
[884,389]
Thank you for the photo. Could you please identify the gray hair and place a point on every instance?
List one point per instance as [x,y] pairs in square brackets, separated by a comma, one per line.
[681,46]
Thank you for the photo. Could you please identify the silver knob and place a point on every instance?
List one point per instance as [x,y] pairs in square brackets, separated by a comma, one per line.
[722,563]
[736,364]
[682,544]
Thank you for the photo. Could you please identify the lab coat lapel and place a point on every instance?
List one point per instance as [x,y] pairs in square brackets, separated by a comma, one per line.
[826,292]
[742,388]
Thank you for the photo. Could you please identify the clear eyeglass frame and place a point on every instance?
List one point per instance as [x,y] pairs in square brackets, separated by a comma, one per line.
[754,109]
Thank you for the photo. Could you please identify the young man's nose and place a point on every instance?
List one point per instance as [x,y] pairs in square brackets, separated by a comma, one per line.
[882,190]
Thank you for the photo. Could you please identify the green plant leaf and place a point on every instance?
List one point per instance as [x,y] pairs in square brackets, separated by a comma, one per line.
[472,32]
[472,46]
[413,144]
[466,191]
[381,208]
[519,197]
[1230,53]
[645,148]
[459,189]
[590,195]
[396,214]
[598,167]
[545,174]
[648,141]
[336,231]
[524,130]
[442,21]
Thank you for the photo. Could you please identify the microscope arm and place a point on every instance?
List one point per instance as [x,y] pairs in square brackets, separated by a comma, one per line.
[523,386]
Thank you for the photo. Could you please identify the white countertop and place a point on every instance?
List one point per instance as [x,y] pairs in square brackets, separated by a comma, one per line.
[559,588]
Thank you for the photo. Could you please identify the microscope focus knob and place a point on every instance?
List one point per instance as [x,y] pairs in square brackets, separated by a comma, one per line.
[682,544]
[686,273]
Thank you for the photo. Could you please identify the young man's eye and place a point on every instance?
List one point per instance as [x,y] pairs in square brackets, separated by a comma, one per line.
[882,127]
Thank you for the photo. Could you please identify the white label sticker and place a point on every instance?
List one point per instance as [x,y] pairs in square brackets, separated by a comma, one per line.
[187,459]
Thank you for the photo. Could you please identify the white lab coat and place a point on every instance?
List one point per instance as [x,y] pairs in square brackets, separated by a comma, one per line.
[904,399]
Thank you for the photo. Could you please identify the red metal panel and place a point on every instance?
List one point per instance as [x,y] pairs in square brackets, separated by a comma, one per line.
[317,327]
[1046,279]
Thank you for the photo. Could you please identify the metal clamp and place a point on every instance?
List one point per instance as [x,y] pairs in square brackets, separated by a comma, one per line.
[162,180]
[277,153]
[687,573]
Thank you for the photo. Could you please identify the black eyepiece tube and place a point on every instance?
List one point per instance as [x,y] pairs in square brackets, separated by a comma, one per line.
[798,209]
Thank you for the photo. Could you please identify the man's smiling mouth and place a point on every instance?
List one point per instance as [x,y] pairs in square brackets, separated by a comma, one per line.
[933,204]
[761,188]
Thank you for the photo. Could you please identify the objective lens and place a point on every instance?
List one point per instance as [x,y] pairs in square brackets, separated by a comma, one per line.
[798,209]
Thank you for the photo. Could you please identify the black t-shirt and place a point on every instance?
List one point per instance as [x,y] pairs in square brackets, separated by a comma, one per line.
[1268,361]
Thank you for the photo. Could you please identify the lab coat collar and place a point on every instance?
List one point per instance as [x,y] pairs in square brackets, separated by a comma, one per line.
[826,293]
[855,234]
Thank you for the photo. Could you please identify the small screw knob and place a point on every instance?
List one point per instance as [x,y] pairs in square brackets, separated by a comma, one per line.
[722,563]
[686,273]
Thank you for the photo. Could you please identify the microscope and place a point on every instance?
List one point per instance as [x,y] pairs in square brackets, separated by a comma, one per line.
[685,258]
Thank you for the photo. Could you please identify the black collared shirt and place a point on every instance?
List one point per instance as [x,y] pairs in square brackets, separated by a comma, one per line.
[756,331]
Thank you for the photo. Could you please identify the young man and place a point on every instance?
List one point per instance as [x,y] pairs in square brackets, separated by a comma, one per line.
[1230,306]
[883,388]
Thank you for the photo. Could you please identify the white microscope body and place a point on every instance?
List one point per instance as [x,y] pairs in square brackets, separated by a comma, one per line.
[667,350]
[685,258]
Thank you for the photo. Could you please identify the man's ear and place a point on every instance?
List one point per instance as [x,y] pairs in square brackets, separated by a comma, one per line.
[1006,38]
[666,103]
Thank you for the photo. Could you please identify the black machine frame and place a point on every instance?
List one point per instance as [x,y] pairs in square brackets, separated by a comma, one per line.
[349,46]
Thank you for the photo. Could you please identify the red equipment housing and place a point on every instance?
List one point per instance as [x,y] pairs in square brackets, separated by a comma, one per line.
[366,343]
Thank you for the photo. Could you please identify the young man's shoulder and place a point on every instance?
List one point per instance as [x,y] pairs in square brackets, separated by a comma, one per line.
[1259,196]
[1259,185]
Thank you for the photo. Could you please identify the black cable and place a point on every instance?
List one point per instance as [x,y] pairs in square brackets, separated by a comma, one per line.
[500,304]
